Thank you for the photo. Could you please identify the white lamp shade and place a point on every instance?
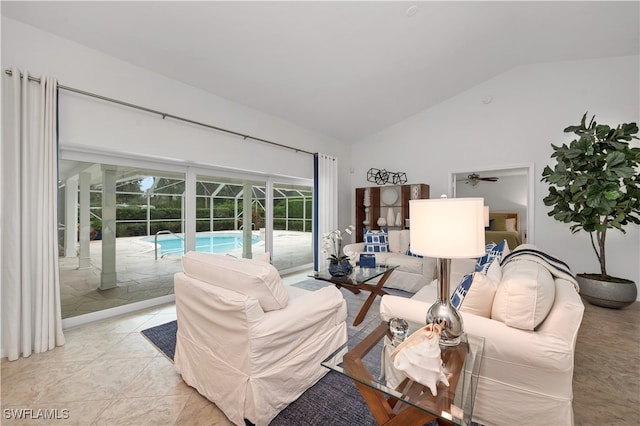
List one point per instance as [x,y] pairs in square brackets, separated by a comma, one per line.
[448,227]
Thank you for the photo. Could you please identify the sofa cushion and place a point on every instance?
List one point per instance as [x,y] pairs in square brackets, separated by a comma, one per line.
[524,296]
[480,296]
[404,263]
[376,241]
[255,278]
[393,237]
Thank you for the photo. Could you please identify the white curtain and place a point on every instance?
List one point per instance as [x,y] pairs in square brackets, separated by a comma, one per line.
[31,315]
[327,214]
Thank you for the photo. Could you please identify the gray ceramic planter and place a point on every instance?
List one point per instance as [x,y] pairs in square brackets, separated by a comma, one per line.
[607,294]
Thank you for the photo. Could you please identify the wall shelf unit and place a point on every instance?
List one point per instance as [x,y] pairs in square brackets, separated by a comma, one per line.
[390,203]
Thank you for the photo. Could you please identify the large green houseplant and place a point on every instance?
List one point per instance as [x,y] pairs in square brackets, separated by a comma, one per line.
[595,186]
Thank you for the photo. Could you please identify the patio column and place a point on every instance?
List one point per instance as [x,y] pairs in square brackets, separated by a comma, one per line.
[85,223]
[108,278]
[71,217]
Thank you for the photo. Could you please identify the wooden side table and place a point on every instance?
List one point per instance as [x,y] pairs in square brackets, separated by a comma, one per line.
[411,402]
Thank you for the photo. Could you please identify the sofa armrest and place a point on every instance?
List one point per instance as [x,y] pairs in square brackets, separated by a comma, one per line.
[353,248]
[414,311]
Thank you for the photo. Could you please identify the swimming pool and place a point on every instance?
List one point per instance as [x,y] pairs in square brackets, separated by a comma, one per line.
[209,243]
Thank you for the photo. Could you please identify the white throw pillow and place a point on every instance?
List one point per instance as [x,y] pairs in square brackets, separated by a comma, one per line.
[251,277]
[394,241]
[479,298]
[524,296]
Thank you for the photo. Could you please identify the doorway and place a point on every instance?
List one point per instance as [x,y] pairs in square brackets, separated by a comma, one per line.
[509,189]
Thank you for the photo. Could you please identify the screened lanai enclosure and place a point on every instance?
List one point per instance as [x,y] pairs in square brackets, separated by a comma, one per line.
[123,229]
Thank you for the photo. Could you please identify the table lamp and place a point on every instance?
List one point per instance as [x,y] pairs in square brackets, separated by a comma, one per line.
[447,228]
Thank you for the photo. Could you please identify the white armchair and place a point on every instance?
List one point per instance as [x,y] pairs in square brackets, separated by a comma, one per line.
[248,343]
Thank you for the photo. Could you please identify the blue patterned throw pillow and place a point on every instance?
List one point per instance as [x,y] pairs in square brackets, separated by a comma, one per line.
[493,251]
[376,241]
[461,291]
[410,253]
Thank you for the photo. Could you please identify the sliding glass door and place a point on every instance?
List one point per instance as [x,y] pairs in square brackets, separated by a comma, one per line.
[120,234]
[230,216]
[292,226]
[125,224]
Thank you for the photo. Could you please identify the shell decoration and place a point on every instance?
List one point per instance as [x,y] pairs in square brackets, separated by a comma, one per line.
[420,359]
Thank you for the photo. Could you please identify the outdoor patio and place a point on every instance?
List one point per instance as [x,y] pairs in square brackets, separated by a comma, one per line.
[140,276]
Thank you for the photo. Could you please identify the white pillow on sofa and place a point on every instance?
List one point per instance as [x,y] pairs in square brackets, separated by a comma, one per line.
[479,298]
[255,278]
[524,296]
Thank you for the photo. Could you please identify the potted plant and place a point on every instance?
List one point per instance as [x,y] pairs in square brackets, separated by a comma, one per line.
[595,186]
[339,264]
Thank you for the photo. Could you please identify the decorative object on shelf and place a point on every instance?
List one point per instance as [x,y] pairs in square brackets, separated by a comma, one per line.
[367,197]
[382,177]
[339,264]
[367,219]
[419,357]
[391,217]
[389,196]
[447,228]
[398,219]
[398,178]
[415,192]
[595,186]
[382,221]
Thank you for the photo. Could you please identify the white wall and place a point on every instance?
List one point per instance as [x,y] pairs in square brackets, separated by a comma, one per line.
[531,107]
[95,124]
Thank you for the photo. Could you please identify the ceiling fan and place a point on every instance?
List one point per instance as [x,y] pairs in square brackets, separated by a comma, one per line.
[475,178]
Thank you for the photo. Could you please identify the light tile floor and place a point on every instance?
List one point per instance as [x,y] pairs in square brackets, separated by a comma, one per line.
[109,374]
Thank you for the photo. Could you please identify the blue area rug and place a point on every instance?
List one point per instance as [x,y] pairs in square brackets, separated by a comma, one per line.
[333,401]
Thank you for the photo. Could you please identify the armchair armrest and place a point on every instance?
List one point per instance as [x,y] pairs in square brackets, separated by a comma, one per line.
[282,331]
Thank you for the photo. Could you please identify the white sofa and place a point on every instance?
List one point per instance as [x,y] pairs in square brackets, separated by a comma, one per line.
[247,342]
[412,274]
[527,368]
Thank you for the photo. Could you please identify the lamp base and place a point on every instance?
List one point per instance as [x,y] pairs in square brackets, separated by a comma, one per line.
[446,315]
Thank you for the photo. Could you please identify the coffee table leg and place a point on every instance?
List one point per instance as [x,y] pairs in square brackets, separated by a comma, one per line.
[377,290]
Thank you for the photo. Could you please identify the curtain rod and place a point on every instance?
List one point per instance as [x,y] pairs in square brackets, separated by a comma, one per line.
[166,115]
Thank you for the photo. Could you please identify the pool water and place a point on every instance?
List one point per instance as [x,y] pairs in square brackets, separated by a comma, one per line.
[210,243]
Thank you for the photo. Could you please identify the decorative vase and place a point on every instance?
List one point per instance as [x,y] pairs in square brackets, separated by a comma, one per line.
[398,219]
[382,221]
[607,294]
[367,198]
[391,217]
[340,269]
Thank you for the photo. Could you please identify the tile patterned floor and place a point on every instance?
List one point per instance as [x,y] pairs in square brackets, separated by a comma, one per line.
[109,374]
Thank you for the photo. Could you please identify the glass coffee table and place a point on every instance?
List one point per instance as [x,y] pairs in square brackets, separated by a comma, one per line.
[410,402]
[357,281]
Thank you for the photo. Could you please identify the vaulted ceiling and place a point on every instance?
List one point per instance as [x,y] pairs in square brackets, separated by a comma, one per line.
[345,69]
